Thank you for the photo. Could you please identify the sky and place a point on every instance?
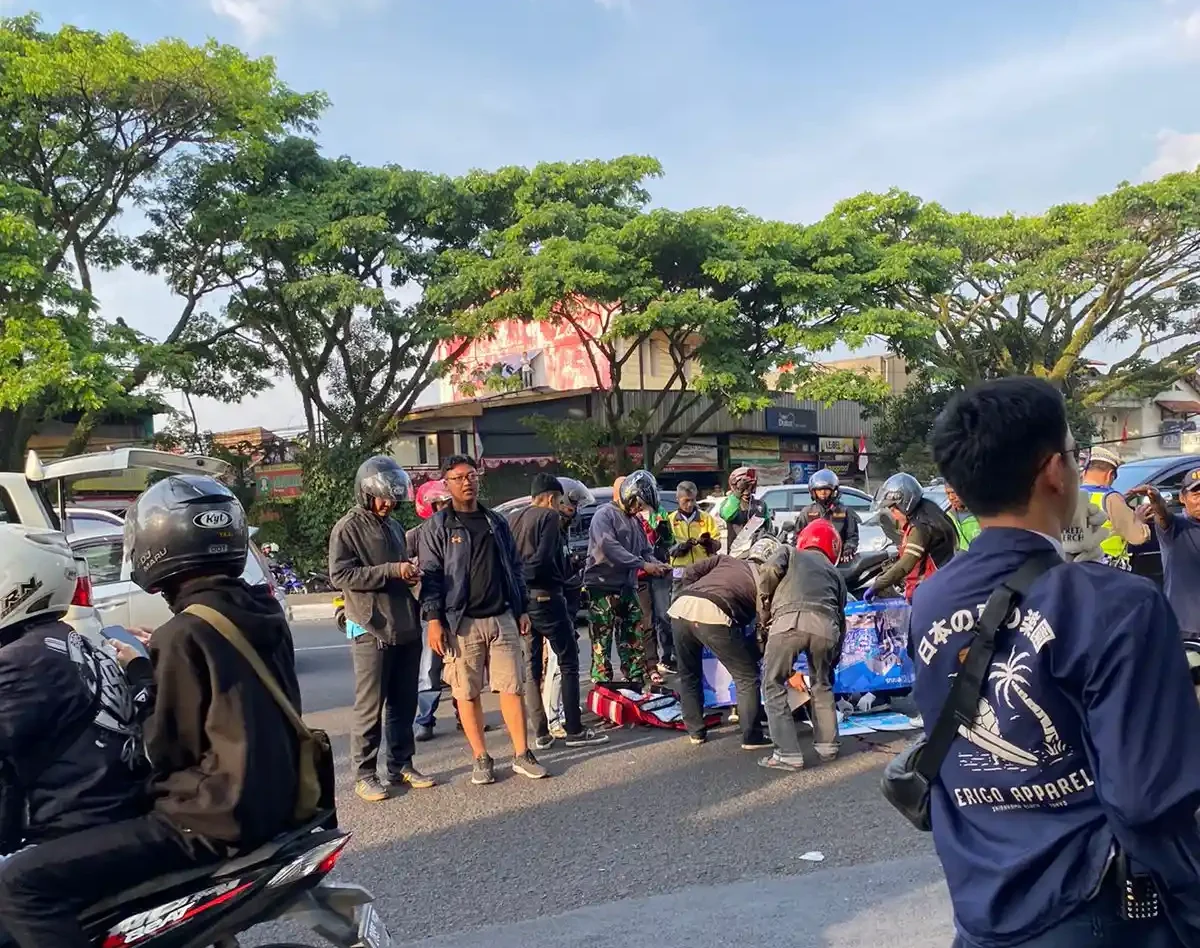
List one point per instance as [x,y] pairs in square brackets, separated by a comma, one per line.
[779,106]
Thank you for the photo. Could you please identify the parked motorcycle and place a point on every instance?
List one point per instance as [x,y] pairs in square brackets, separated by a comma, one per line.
[286,879]
[286,577]
[317,582]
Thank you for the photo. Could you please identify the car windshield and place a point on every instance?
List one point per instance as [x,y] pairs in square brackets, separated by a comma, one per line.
[1130,476]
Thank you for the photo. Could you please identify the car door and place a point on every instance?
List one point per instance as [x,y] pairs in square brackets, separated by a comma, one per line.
[111,589]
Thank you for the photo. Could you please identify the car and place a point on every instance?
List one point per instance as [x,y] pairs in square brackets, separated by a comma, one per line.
[119,601]
[785,501]
[1164,474]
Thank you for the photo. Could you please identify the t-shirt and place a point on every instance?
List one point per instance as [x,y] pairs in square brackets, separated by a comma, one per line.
[1180,545]
[485,596]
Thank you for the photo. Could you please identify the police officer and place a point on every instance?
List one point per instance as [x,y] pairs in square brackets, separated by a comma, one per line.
[824,489]
[1070,798]
[1124,527]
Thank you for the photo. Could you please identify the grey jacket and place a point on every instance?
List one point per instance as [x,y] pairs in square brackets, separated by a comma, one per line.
[798,582]
[617,549]
[363,551]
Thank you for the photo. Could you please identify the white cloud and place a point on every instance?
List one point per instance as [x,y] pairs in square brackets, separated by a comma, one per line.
[259,18]
[1176,151]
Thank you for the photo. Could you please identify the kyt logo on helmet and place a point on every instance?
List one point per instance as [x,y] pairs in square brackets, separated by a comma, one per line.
[212,519]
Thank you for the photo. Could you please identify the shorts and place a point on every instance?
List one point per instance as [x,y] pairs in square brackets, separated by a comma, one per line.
[485,646]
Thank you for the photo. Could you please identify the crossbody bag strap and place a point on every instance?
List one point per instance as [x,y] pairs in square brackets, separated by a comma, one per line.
[962,704]
[235,637]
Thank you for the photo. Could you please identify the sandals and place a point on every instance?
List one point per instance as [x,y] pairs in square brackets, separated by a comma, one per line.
[775,762]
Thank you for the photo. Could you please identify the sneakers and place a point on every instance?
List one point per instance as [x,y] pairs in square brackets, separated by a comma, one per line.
[423,732]
[666,668]
[527,766]
[544,742]
[484,772]
[586,738]
[557,731]
[733,716]
[413,777]
[371,790]
[698,739]
[757,743]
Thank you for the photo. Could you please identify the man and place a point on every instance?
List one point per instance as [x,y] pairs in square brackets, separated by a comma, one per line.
[694,532]
[966,524]
[715,606]
[224,760]
[369,564]
[824,489]
[1179,541]
[1080,769]
[927,537]
[802,607]
[654,597]
[1084,536]
[537,532]
[431,497]
[1125,528]
[741,506]
[473,597]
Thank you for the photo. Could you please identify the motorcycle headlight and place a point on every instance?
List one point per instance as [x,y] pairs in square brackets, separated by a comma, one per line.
[874,544]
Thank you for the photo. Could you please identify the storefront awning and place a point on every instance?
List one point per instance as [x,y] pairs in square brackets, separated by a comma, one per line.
[1179,407]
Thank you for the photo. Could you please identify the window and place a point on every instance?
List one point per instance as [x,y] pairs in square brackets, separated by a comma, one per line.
[8,511]
[854,502]
[422,451]
[103,560]
[464,445]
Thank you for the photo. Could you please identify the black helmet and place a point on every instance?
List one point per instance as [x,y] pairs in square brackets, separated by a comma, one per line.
[823,479]
[640,485]
[902,491]
[575,494]
[382,477]
[187,524]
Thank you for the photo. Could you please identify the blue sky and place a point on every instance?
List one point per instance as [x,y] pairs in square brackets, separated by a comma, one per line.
[779,106]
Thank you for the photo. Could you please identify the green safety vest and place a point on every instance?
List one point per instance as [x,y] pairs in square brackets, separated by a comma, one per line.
[967,526]
[1115,547]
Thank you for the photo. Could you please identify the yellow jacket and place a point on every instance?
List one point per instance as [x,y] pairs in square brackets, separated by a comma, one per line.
[684,530]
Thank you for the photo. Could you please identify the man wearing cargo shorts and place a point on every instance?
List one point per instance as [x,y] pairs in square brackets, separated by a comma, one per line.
[473,597]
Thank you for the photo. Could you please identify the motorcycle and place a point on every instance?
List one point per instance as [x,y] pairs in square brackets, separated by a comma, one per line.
[286,578]
[339,612]
[212,906]
[317,582]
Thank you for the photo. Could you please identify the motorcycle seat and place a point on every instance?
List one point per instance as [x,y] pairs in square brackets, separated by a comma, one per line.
[215,870]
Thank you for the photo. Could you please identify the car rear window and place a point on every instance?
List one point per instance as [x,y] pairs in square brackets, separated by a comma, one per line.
[104,560]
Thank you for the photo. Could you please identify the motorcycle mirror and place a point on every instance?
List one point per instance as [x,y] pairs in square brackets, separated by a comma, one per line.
[788,526]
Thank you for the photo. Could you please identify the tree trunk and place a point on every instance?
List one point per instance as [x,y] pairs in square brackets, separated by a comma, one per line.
[82,434]
[16,428]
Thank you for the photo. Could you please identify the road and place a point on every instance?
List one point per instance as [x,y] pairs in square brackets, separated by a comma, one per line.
[646,837]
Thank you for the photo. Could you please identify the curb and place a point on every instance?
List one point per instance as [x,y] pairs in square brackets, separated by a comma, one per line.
[312,611]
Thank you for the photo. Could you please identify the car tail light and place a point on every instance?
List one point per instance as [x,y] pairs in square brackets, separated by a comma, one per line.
[320,859]
[83,591]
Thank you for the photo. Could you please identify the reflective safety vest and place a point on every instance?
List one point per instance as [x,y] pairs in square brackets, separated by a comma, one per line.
[1115,547]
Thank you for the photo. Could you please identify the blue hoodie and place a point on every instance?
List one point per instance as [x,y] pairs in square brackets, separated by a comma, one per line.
[1087,735]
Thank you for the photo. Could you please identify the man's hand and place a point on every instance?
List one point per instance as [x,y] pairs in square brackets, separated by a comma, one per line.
[142,634]
[654,568]
[408,571]
[524,625]
[436,636]
[870,594]
[126,653]
[1156,508]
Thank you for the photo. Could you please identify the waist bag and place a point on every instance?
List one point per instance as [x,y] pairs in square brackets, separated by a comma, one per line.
[908,777]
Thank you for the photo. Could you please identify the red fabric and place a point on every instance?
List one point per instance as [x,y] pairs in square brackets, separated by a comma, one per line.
[925,568]
[607,702]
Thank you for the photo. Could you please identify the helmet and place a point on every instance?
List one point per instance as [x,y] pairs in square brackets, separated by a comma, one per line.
[185,524]
[37,574]
[428,494]
[576,494]
[821,535]
[640,485]
[903,492]
[1104,456]
[823,479]
[764,548]
[271,549]
[382,477]
[743,478]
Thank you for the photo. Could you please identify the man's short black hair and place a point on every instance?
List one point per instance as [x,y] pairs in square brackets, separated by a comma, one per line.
[545,484]
[455,460]
[992,441]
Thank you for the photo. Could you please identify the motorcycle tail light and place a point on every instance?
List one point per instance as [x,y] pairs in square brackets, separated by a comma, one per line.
[320,859]
[83,591]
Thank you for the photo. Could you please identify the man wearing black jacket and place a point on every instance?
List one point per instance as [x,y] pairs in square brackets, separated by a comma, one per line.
[225,765]
[537,531]
[369,564]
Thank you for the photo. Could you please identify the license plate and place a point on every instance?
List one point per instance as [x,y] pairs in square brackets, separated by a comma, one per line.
[372,932]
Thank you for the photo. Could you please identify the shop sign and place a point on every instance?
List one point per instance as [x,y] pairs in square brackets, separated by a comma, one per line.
[837,445]
[791,420]
[749,447]
[280,481]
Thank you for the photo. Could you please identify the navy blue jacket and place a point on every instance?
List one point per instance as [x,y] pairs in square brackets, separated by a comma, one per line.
[1086,737]
[445,561]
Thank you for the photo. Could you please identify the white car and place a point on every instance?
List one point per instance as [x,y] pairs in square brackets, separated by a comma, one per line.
[119,601]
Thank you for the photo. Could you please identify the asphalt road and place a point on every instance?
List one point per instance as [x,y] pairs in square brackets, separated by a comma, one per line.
[648,837]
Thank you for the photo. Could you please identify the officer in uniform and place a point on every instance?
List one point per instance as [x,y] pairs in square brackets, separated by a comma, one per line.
[824,489]
[1124,528]
[1064,812]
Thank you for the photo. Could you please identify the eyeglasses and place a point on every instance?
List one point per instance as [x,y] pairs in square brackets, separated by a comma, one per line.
[469,478]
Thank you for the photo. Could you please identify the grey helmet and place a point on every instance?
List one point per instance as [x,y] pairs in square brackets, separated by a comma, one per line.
[823,479]
[640,485]
[764,548]
[185,525]
[382,477]
[902,492]
[576,494]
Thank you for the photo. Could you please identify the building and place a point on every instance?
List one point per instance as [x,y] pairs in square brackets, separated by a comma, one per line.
[547,370]
[1151,427]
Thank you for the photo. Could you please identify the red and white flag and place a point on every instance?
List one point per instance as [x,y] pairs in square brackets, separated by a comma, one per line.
[862,452]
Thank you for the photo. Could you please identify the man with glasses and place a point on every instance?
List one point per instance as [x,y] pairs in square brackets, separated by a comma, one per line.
[473,596]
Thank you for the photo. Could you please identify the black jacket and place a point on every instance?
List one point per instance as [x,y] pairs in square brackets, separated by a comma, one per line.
[793,582]
[844,520]
[70,732]
[224,754]
[726,582]
[537,532]
[363,551]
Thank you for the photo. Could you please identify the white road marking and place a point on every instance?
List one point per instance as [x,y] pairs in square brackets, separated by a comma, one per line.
[320,648]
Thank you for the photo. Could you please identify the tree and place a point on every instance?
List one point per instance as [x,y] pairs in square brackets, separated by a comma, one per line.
[86,119]
[1040,295]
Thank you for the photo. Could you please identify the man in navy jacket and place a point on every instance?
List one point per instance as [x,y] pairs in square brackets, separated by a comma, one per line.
[1083,755]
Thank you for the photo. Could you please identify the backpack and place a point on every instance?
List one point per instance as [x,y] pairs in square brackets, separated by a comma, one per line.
[315,781]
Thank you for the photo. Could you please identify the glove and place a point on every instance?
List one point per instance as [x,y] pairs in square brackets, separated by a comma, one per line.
[870,594]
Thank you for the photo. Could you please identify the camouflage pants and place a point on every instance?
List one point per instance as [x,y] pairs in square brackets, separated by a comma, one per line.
[616,617]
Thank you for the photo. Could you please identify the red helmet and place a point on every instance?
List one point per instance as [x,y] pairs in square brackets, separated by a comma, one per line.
[428,494]
[821,535]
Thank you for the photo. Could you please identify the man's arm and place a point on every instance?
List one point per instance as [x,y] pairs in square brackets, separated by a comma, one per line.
[910,556]
[605,538]
[174,732]
[547,544]
[346,569]
[850,538]
[26,717]
[1158,506]
[767,579]
[509,547]
[433,576]
[1125,522]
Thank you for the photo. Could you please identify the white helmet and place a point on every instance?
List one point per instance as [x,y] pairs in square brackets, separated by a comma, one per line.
[37,574]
